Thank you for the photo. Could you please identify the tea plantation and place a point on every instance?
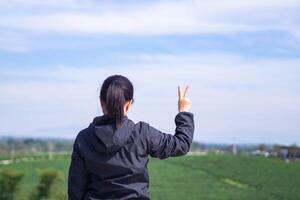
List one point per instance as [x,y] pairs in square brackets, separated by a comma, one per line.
[212,177]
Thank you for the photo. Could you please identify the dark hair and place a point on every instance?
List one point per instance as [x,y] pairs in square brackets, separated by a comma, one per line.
[115,91]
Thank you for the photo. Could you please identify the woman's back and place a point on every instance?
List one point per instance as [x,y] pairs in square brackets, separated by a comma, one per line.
[111,163]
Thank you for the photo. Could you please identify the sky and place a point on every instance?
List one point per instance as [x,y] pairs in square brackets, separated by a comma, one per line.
[240,58]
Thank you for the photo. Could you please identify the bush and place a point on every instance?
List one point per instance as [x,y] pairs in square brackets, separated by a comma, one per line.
[48,179]
[59,196]
[9,181]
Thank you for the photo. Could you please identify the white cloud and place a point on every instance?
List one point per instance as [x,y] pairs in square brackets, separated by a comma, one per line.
[163,17]
[47,3]
[231,96]
[29,19]
[14,42]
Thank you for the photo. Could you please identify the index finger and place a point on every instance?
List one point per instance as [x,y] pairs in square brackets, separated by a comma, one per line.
[179,91]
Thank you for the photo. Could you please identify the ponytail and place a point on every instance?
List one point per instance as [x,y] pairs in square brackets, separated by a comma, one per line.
[115,91]
[115,103]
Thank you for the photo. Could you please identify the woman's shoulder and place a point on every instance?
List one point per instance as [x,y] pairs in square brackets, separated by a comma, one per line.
[141,127]
[82,134]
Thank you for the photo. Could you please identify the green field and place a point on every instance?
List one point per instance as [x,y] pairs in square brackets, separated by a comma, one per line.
[195,177]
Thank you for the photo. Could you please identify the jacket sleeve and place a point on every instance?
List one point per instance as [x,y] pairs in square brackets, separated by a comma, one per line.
[162,145]
[77,181]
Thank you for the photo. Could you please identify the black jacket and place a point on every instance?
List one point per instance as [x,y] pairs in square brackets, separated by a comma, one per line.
[108,164]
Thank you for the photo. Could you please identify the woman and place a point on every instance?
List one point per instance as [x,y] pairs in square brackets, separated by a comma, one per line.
[109,159]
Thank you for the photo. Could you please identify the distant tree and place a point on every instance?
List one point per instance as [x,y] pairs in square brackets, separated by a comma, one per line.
[294,145]
[48,179]
[9,181]
[197,146]
[294,149]
[276,148]
[262,147]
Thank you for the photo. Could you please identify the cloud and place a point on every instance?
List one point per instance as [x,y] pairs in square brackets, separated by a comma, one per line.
[162,17]
[233,97]
[14,42]
[32,23]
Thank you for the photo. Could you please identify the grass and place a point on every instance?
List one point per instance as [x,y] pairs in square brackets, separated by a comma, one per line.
[209,177]
[173,180]
[266,175]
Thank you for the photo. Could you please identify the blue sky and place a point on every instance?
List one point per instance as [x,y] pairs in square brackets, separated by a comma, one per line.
[241,59]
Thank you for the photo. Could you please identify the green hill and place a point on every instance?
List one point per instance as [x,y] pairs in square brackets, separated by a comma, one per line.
[212,177]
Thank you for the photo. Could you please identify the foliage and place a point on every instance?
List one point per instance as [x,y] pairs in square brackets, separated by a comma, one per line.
[20,147]
[9,181]
[211,177]
[47,180]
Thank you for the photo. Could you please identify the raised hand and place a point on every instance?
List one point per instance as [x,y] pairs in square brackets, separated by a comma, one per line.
[184,104]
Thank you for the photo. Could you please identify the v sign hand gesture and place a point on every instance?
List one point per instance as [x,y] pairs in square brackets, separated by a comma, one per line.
[184,104]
